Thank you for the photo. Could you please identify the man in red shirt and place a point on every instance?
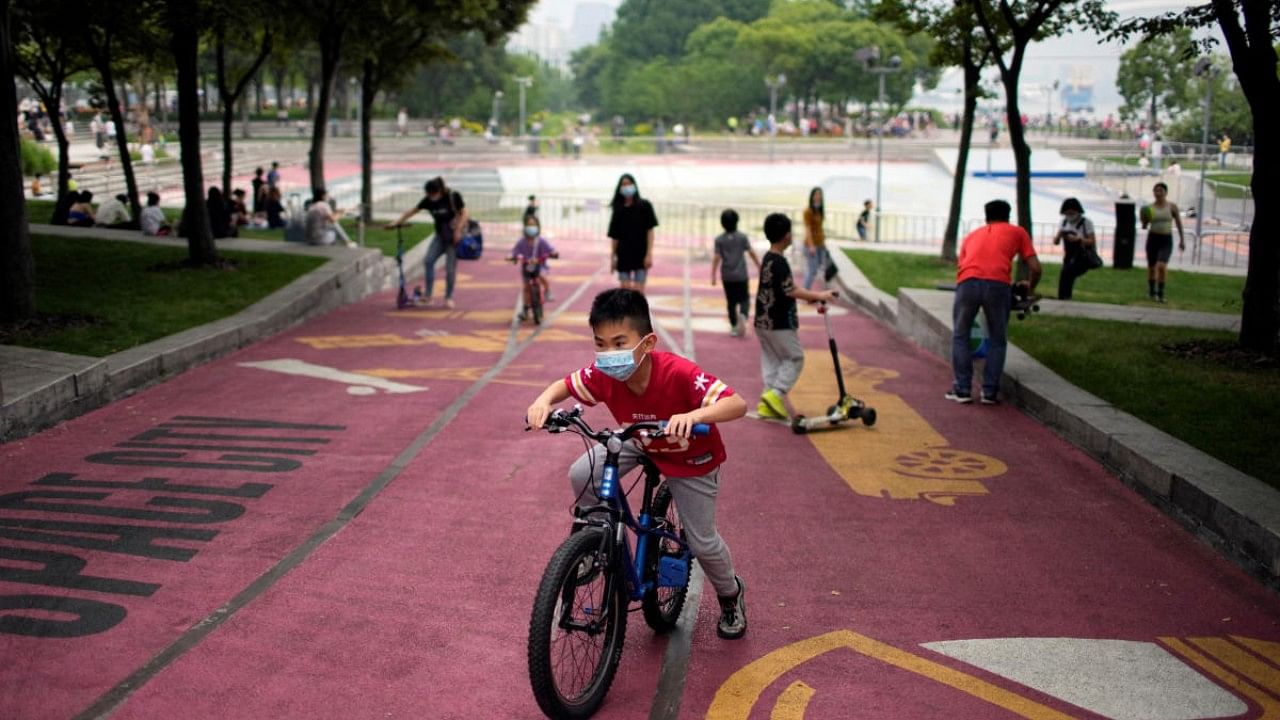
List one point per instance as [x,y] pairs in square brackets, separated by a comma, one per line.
[983,280]
[640,384]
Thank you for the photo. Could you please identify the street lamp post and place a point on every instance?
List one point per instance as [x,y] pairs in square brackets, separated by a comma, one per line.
[871,58]
[1204,68]
[523,82]
[1049,90]
[497,103]
[774,84]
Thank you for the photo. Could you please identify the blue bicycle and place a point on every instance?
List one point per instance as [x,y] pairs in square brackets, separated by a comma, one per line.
[579,616]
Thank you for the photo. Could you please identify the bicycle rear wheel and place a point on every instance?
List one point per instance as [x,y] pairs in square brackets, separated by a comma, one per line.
[662,605]
[575,635]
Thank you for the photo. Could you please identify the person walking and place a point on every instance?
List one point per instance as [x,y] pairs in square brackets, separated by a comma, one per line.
[732,247]
[815,241]
[1158,219]
[984,281]
[449,213]
[631,229]
[1077,237]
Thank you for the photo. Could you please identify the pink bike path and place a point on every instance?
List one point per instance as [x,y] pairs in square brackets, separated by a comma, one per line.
[347,520]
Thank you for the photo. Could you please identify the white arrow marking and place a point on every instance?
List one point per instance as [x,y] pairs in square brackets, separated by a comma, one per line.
[357,384]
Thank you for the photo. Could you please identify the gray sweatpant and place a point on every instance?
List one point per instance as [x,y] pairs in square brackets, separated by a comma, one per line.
[781,358]
[695,500]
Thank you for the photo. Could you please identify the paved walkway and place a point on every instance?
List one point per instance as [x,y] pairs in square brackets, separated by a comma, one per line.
[346,520]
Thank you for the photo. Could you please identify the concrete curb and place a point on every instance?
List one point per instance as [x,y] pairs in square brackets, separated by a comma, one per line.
[1236,513]
[81,384]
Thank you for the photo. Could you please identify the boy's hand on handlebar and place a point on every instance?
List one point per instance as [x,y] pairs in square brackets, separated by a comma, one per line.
[681,425]
[537,414]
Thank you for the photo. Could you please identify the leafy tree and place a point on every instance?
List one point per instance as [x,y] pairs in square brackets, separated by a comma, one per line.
[182,19]
[238,58]
[1251,28]
[1230,112]
[46,55]
[1019,23]
[112,37]
[1154,74]
[17,265]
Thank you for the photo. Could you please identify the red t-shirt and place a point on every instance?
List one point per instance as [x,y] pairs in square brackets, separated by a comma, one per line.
[675,386]
[987,253]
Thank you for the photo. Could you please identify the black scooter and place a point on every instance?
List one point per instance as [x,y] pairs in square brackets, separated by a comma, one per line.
[847,407]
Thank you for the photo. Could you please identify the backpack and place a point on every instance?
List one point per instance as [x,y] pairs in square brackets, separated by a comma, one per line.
[472,243]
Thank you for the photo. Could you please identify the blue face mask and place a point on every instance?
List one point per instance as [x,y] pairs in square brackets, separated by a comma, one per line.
[618,364]
[531,230]
[628,190]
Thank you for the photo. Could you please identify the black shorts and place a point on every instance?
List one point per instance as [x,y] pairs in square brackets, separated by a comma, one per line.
[1159,248]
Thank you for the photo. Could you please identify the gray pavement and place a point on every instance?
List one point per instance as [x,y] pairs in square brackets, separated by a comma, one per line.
[1234,512]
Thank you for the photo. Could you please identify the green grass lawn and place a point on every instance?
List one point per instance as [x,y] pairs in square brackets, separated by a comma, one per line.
[1228,410]
[40,212]
[119,286]
[890,271]
[374,235]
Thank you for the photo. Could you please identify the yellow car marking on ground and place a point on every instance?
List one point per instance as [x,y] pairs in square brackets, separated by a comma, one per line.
[902,457]
[738,695]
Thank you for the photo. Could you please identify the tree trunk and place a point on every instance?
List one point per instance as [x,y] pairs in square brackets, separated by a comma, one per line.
[258,94]
[164,107]
[278,75]
[17,265]
[330,47]
[204,92]
[1021,151]
[195,216]
[244,117]
[103,63]
[228,119]
[972,76]
[368,91]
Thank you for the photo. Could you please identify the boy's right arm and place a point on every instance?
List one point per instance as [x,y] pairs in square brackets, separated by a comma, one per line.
[800,293]
[557,392]
[715,265]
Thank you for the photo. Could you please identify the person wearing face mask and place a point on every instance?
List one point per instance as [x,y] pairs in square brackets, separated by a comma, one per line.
[631,229]
[777,323]
[449,213]
[532,246]
[638,383]
[1077,236]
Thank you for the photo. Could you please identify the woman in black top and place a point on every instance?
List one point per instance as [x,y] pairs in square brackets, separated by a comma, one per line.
[631,228]
[450,216]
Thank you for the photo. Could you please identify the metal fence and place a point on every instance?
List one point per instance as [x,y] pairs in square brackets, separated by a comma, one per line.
[695,226]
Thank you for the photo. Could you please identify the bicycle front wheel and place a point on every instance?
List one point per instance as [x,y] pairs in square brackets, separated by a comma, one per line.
[576,632]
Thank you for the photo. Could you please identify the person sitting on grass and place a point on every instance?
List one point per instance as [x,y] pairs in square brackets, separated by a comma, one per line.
[322,223]
[114,213]
[81,212]
[152,218]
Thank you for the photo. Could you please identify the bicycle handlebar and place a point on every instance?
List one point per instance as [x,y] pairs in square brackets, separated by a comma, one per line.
[561,420]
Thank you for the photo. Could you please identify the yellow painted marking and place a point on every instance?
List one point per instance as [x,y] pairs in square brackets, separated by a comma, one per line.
[739,694]
[483,341]
[1270,706]
[1268,650]
[1241,662]
[792,702]
[902,457]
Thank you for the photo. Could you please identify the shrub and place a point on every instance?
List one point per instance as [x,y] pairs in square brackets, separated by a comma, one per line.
[36,159]
[643,128]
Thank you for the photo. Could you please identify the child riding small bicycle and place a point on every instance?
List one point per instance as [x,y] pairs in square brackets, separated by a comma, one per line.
[531,253]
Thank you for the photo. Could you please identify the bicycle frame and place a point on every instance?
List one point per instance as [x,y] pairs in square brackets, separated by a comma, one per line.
[617,517]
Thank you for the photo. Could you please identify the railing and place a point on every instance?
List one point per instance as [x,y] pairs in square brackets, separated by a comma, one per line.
[695,226]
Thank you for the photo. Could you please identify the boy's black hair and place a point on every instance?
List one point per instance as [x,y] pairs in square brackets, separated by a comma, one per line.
[1160,185]
[434,185]
[776,227]
[1071,204]
[122,198]
[86,196]
[729,220]
[153,198]
[621,304]
[997,211]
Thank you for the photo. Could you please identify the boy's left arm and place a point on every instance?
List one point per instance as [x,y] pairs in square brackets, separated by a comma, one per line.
[728,407]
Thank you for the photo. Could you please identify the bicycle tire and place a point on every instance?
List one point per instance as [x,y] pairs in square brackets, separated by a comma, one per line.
[545,630]
[662,606]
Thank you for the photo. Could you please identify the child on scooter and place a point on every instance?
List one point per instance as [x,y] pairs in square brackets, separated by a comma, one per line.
[532,246]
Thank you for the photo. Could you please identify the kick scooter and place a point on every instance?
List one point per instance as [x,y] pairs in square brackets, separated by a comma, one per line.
[847,407]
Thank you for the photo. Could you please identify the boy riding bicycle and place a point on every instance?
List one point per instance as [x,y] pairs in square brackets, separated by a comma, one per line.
[638,383]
